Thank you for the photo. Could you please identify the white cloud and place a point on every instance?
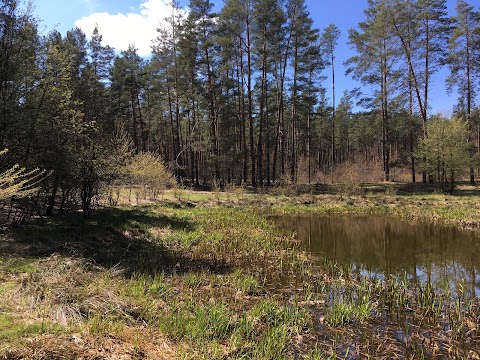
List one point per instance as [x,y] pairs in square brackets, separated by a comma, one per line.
[121,30]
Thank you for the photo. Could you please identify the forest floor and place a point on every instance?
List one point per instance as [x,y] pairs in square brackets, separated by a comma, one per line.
[207,275]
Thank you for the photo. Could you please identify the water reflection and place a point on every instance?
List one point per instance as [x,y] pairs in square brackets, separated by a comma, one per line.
[382,246]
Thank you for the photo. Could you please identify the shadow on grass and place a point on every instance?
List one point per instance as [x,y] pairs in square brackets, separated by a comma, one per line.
[112,237]
[462,188]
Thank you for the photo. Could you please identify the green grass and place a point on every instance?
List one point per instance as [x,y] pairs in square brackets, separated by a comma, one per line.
[17,265]
[104,324]
[215,282]
[141,286]
[245,282]
[13,330]
[5,287]
[341,313]
[261,332]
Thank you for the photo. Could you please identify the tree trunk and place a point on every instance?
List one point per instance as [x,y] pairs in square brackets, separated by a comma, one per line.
[134,117]
[293,160]
[250,102]
[53,196]
[333,112]
[212,113]
[385,126]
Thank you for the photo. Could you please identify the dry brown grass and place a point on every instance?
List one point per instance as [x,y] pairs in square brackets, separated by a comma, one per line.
[132,343]
[82,312]
[66,299]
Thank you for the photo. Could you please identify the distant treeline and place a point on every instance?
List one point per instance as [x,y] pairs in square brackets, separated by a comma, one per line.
[237,96]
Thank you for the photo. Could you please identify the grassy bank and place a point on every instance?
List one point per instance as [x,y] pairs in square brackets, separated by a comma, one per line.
[208,276]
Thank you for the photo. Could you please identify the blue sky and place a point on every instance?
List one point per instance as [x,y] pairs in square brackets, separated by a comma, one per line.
[134,21]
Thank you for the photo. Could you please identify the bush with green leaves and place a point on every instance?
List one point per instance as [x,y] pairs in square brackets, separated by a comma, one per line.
[444,153]
[17,181]
[148,175]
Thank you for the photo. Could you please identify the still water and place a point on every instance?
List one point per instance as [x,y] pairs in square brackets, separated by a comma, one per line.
[382,246]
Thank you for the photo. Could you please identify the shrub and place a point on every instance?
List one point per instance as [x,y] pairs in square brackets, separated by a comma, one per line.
[18,181]
[148,175]
[445,153]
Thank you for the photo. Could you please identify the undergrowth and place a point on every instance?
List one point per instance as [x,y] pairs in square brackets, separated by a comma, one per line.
[165,281]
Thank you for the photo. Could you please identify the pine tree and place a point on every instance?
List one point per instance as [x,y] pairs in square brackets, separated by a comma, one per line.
[329,41]
[238,19]
[202,17]
[464,53]
[19,76]
[422,28]
[267,27]
[373,66]
[166,54]
[305,42]
[127,85]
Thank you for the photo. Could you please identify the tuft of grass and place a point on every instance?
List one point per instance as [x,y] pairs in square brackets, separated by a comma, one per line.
[103,325]
[245,283]
[273,343]
[193,280]
[343,313]
[318,354]
[5,287]
[142,286]
[17,265]
[13,330]
[185,271]
[211,322]
[197,323]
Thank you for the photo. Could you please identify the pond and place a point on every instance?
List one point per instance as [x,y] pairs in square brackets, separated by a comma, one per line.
[380,246]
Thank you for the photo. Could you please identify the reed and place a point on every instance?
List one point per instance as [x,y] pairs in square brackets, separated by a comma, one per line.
[216,283]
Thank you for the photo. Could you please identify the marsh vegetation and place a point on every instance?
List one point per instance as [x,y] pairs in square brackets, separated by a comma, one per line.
[212,276]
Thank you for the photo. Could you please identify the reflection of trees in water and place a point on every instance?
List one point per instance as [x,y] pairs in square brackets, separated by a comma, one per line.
[381,244]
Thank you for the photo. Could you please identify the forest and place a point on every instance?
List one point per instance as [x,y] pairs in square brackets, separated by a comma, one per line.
[237,97]
[217,201]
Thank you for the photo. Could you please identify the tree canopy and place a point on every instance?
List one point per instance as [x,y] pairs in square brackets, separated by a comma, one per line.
[237,96]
